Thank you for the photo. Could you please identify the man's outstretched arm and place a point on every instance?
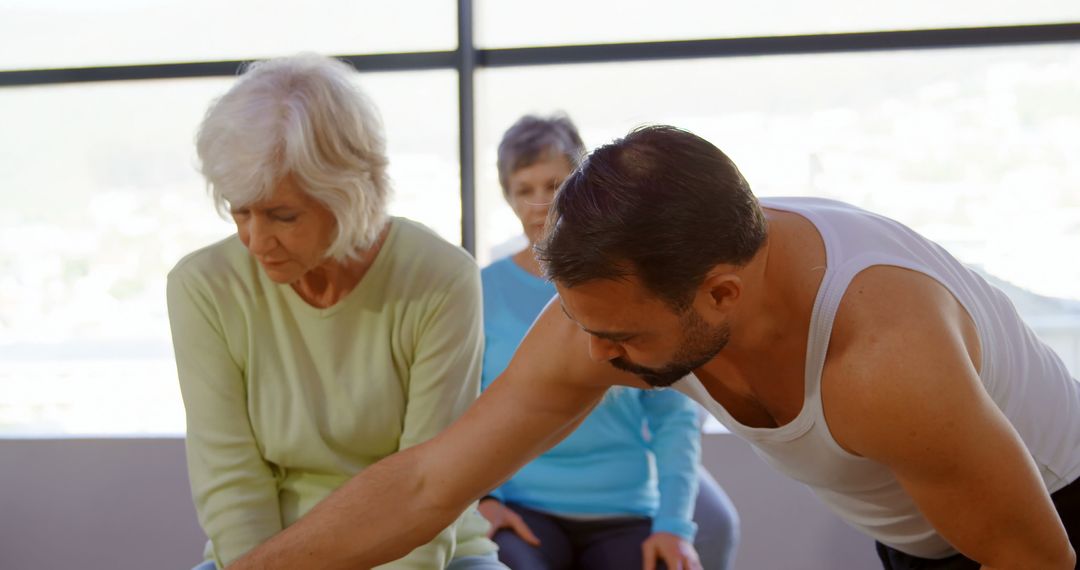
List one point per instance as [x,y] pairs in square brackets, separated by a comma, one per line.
[406,499]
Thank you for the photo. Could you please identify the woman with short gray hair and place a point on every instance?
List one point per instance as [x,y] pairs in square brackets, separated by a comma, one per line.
[534,139]
[324,335]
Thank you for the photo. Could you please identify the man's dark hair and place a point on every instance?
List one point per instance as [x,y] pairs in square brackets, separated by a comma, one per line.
[661,204]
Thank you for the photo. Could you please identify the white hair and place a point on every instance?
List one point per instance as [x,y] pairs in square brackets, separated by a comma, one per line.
[301,116]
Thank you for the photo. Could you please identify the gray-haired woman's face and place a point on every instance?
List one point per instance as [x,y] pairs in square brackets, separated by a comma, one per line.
[531,189]
[288,233]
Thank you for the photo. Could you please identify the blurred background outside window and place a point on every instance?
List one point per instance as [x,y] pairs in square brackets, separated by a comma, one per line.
[973,147]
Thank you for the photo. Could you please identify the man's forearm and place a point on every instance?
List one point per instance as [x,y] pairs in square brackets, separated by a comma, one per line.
[378,516]
[1066,560]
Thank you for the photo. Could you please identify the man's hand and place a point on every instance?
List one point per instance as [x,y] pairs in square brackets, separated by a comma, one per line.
[675,552]
[500,516]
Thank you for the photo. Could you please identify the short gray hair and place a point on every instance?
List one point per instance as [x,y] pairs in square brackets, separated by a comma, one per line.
[534,138]
[301,116]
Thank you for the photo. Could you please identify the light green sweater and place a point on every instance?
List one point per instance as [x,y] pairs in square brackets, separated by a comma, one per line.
[285,401]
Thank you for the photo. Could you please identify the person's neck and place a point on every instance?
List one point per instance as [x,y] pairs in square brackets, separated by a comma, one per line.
[526,259]
[329,283]
[768,313]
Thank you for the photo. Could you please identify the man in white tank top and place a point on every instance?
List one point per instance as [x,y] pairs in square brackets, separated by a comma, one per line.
[855,355]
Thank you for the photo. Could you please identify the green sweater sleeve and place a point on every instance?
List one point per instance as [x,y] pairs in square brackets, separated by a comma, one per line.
[445,376]
[233,487]
[444,380]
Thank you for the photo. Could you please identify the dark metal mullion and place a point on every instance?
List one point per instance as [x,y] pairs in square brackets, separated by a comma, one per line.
[466,58]
[778,45]
[782,45]
[466,68]
[419,61]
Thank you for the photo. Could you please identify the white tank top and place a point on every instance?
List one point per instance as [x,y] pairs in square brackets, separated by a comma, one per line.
[1023,376]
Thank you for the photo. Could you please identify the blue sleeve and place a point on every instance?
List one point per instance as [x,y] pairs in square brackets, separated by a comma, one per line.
[676,442]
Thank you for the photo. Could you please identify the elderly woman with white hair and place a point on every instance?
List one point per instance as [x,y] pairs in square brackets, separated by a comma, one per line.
[324,335]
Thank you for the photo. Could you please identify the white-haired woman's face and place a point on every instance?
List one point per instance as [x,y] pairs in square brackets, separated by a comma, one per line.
[288,233]
[531,189]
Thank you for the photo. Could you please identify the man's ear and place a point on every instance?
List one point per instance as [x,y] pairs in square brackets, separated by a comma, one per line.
[722,288]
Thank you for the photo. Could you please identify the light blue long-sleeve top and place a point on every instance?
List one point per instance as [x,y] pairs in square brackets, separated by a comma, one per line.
[636,454]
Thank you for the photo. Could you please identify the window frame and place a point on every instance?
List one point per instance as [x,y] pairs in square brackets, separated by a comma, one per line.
[467,59]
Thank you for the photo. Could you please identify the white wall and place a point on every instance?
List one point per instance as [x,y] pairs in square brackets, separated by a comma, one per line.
[118,504]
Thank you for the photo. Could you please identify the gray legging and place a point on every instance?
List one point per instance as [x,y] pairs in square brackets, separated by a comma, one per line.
[615,544]
[718,524]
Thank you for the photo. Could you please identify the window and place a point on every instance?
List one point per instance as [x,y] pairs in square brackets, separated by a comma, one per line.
[568,22]
[102,198]
[61,33]
[971,147]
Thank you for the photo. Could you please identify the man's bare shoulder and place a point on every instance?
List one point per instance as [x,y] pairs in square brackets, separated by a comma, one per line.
[884,302]
[900,341]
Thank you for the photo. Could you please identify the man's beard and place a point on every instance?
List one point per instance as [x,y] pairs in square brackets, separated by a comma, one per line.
[702,343]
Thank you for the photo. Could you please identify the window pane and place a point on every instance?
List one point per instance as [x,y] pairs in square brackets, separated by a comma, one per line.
[974,148]
[101,198]
[568,22]
[62,33]
[420,112]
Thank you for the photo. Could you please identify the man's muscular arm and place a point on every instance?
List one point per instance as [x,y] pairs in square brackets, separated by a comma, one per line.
[548,388]
[901,387]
